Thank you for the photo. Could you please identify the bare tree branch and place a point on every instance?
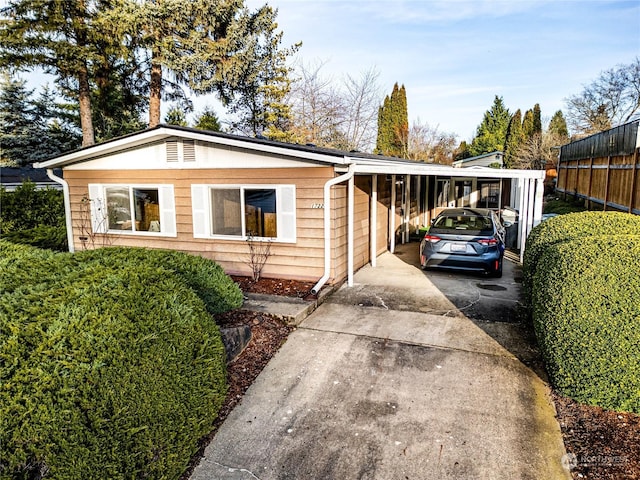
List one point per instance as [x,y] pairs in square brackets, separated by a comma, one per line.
[613,98]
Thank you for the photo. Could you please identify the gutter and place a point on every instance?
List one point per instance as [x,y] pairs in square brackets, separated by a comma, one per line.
[327,225]
[67,206]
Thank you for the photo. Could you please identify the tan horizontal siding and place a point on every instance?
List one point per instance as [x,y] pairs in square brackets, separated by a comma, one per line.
[303,260]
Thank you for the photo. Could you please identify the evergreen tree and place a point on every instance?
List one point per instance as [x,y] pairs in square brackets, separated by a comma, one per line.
[208,120]
[208,46]
[393,124]
[16,120]
[537,120]
[492,131]
[33,130]
[514,140]
[256,94]
[462,151]
[558,126]
[60,37]
[56,126]
[176,116]
[119,95]
[528,124]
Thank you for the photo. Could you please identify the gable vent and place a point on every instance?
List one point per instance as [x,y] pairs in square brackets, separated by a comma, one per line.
[172,150]
[188,151]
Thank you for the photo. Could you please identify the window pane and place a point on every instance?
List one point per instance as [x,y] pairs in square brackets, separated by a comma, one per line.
[489,194]
[463,193]
[442,193]
[147,214]
[118,208]
[260,213]
[226,216]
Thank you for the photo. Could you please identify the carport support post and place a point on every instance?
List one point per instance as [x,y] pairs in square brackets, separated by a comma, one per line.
[350,230]
[523,185]
[392,220]
[373,221]
[407,208]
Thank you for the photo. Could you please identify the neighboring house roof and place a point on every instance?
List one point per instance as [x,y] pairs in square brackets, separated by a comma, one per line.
[12,177]
[498,155]
[362,162]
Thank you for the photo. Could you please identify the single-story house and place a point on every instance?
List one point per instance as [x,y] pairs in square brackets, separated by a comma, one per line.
[493,160]
[326,212]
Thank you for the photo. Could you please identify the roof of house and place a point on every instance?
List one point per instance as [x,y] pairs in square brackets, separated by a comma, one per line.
[497,153]
[17,175]
[364,162]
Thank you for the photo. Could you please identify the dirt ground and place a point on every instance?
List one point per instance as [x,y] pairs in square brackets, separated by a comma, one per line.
[601,445]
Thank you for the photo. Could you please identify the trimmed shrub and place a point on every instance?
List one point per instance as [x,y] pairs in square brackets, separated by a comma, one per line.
[205,277]
[42,236]
[107,370]
[27,207]
[569,227]
[586,313]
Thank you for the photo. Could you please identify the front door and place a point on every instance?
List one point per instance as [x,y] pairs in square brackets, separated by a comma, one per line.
[463,192]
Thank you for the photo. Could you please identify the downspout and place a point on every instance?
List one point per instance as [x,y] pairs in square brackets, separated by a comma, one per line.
[327,225]
[67,206]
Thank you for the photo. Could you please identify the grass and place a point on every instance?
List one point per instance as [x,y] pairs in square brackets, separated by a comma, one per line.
[559,206]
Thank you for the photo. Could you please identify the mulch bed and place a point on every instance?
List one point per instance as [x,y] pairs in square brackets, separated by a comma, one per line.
[271,286]
[601,445]
[267,336]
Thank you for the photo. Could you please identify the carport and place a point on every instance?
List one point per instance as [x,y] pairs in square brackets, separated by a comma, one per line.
[521,190]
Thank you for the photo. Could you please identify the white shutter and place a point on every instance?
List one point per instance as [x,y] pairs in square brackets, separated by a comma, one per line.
[200,209]
[286,213]
[98,205]
[167,210]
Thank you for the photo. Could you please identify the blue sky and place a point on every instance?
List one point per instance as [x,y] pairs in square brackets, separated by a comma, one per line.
[454,56]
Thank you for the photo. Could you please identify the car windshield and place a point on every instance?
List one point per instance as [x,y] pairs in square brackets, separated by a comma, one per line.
[464,224]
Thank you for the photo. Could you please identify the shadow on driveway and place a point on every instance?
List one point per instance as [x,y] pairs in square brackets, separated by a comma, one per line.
[493,304]
[391,379]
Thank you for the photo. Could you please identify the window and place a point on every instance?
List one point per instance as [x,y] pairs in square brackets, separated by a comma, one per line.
[463,192]
[489,194]
[266,211]
[260,217]
[442,193]
[143,209]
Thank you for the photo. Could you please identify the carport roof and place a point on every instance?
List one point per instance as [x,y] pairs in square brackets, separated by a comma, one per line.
[364,163]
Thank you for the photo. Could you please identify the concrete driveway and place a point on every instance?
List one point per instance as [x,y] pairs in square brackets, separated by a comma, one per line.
[392,379]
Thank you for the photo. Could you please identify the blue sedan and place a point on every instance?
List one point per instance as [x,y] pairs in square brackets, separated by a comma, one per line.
[466,239]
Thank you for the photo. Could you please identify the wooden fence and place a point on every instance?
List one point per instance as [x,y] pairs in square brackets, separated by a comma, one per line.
[603,169]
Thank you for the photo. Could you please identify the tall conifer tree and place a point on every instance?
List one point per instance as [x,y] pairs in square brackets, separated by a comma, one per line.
[61,37]
[492,131]
[393,124]
[514,140]
[537,120]
[558,126]
[528,124]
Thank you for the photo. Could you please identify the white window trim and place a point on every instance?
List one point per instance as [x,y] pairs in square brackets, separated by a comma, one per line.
[204,231]
[166,200]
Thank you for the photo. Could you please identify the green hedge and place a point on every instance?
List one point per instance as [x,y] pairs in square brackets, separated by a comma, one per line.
[110,367]
[28,207]
[586,313]
[568,227]
[42,236]
[207,278]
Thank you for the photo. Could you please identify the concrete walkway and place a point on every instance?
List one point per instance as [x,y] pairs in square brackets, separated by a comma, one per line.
[390,380]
